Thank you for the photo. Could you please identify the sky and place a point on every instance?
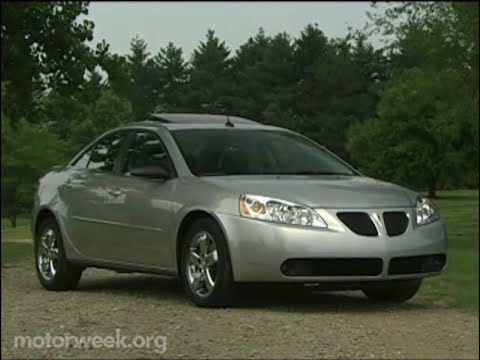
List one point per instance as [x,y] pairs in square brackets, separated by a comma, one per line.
[186,23]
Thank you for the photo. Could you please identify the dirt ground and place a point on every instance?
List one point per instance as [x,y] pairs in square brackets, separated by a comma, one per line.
[263,325]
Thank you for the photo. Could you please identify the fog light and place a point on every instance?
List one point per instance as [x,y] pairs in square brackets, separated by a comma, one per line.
[285,269]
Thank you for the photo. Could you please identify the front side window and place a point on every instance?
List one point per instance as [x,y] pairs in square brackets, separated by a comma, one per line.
[147,150]
[83,160]
[210,152]
[104,154]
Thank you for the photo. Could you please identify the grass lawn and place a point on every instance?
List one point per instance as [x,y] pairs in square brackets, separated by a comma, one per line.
[22,231]
[21,222]
[456,287]
[13,252]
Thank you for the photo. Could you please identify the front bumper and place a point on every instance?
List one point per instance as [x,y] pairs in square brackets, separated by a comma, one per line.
[258,249]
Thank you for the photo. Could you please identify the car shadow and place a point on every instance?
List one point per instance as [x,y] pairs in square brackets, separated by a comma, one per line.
[160,288]
[155,286]
[326,301]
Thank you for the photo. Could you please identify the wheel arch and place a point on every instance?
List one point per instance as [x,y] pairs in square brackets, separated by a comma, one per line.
[42,214]
[189,218]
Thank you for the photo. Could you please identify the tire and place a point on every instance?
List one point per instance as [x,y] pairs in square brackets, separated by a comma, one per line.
[222,293]
[66,275]
[393,291]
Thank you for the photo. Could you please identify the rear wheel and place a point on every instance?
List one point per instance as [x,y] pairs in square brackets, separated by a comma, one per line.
[205,269]
[393,291]
[53,269]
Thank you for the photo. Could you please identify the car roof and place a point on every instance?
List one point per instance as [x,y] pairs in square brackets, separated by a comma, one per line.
[174,121]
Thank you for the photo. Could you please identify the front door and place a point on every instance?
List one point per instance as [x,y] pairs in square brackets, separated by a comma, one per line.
[87,193]
[140,209]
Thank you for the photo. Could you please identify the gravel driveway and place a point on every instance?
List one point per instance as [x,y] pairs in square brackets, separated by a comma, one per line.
[328,325]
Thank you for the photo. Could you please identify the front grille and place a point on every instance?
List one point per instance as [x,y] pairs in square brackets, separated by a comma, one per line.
[417,264]
[332,267]
[396,222]
[359,222]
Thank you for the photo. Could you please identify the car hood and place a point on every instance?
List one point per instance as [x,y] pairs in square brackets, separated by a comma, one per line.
[320,191]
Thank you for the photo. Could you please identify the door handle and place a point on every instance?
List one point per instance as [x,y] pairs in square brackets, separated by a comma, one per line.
[115,191]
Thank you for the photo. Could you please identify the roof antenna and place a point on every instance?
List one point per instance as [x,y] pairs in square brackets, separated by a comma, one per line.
[229,123]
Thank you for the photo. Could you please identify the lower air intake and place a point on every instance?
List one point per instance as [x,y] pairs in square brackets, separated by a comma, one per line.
[332,267]
[416,264]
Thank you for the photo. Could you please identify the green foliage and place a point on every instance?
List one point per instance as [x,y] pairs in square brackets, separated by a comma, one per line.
[249,53]
[407,112]
[136,77]
[117,69]
[27,152]
[311,46]
[174,76]
[108,112]
[337,86]
[431,35]
[144,79]
[433,106]
[417,139]
[43,46]
[249,99]
[275,73]
[210,77]
[60,112]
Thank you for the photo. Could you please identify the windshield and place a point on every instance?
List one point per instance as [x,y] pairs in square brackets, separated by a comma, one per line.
[217,152]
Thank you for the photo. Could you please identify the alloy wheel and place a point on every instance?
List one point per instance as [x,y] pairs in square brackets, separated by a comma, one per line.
[202,264]
[48,254]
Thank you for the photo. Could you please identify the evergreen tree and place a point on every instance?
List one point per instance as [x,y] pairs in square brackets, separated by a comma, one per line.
[145,80]
[210,77]
[246,100]
[174,76]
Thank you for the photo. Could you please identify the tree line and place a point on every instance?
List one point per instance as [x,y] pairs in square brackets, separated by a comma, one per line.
[406,112]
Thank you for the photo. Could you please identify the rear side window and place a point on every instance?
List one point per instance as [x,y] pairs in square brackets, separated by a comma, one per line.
[147,150]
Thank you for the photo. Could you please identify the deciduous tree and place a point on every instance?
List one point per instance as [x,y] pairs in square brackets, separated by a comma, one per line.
[43,46]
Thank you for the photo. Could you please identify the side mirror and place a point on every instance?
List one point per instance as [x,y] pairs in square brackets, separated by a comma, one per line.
[151,172]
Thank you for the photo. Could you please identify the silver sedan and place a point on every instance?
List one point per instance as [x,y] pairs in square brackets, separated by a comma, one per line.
[220,201]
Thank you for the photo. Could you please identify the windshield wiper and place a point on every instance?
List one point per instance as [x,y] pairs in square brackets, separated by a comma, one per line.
[302,172]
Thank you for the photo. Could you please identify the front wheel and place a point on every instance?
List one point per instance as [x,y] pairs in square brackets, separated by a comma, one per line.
[393,291]
[54,271]
[205,269]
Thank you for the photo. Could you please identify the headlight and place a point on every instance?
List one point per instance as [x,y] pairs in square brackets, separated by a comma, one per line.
[426,211]
[279,211]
